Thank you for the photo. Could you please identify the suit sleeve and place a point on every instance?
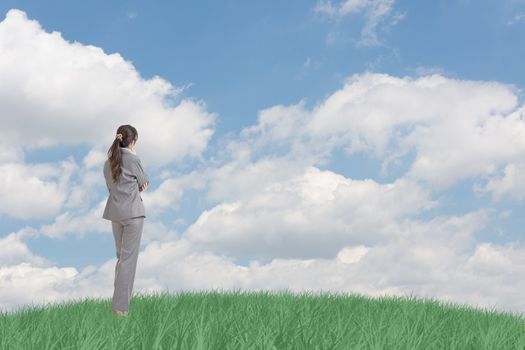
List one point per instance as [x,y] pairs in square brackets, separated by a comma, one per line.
[105,174]
[142,176]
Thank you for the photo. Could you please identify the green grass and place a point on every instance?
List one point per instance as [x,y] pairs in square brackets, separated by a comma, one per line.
[261,320]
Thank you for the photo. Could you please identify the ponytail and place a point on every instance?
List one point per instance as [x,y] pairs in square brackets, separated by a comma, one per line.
[127,135]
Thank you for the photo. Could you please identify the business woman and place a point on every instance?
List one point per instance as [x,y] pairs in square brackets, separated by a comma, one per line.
[125,179]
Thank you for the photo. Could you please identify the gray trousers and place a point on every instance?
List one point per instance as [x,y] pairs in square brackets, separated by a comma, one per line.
[127,235]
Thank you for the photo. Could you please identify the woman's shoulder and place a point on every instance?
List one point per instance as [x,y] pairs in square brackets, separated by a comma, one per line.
[130,157]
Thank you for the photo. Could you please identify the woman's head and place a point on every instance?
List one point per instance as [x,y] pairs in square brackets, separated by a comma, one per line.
[126,135]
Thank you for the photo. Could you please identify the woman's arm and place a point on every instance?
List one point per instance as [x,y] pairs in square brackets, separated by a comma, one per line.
[138,171]
[105,174]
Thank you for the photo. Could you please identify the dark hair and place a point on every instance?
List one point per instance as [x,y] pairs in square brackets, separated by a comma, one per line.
[129,134]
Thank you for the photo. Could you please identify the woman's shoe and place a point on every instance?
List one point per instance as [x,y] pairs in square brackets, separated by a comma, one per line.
[120,313]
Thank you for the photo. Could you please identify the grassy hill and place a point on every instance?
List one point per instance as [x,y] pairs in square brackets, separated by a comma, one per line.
[261,320]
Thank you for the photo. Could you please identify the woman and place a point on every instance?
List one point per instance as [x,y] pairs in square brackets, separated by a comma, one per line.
[125,179]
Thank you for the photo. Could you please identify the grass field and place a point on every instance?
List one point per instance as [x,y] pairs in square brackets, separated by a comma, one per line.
[261,320]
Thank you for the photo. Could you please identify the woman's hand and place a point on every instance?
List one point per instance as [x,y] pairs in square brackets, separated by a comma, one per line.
[146,184]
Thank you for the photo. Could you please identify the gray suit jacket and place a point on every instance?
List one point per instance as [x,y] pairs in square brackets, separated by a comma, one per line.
[124,199]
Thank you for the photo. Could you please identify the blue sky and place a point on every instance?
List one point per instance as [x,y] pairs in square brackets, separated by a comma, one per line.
[255,52]
[281,86]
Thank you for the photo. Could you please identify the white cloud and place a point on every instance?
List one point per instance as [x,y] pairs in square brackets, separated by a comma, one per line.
[399,268]
[24,283]
[94,158]
[305,216]
[168,195]
[83,194]
[427,70]
[31,191]
[344,7]
[77,223]
[375,12]
[42,190]
[10,153]
[520,17]
[311,64]
[425,260]
[14,251]
[303,220]
[457,129]
[57,92]
[352,254]
[70,193]
[510,184]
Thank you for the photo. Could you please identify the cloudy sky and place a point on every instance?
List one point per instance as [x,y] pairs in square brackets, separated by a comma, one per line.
[366,146]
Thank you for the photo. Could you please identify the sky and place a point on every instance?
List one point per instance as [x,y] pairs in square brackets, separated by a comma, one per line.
[355,146]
